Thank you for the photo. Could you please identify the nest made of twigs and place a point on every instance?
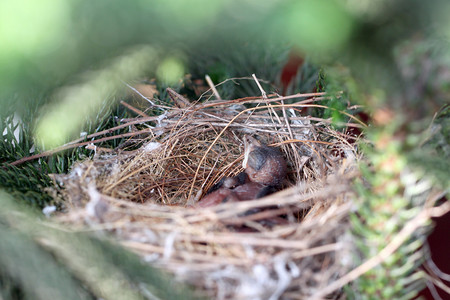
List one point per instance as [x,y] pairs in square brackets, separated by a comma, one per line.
[146,197]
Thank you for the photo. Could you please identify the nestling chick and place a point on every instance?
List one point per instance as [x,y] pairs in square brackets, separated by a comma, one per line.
[247,191]
[221,195]
[265,170]
[263,164]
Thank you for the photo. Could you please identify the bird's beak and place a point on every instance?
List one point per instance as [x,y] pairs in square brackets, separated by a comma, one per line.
[250,143]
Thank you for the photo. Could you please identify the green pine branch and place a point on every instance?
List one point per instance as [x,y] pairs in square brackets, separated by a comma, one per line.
[48,262]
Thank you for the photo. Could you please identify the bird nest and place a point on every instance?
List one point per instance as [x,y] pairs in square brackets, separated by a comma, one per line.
[145,195]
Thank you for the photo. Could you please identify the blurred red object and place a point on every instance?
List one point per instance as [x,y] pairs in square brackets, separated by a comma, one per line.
[290,70]
[439,242]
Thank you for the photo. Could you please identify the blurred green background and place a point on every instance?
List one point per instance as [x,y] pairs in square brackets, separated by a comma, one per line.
[78,53]
[49,45]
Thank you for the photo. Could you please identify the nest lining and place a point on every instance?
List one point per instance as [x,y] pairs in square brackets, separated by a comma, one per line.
[232,250]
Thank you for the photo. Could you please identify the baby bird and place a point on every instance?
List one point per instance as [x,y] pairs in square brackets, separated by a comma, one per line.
[263,164]
[265,170]
[221,195]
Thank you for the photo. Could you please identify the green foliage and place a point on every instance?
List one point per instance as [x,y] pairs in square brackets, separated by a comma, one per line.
[45,262]
[433,167]
[25,183]
[28,181]
[433,158]
[389,198]
[48,48]
[223,62]
[340,98]
[34,270]
[334,111]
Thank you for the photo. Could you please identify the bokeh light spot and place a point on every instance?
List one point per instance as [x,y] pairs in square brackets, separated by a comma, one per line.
[171,70]
[319,25]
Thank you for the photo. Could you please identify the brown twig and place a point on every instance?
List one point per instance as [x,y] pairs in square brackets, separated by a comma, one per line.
[71,146]
[133,109]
